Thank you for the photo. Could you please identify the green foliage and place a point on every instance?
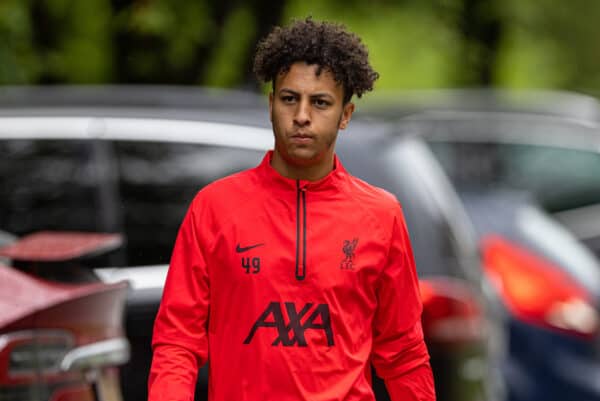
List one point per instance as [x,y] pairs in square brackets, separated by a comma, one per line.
[403,47]
[413,43]
[527,61]
[80,50]
[552,44]
[164,36]
[228,65]
[18,59]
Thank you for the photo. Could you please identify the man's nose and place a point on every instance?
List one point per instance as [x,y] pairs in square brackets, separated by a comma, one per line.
[302,116]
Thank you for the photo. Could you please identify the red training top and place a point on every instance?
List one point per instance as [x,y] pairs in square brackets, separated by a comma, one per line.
[290,289]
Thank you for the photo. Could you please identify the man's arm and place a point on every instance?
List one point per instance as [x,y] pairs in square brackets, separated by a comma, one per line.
[400,356]
[180,343]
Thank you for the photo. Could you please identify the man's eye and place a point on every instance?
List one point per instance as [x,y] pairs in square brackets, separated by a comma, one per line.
[321,103]
[287,99]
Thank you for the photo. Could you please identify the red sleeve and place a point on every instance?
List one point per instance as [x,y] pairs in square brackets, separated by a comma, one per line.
[400,356]
[180,343]
[415,385]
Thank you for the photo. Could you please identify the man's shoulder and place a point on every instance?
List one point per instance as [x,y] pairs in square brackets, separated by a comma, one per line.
[231,186]
[377,204]
[371,195]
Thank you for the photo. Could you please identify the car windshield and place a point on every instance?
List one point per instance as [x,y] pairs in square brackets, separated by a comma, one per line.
[559,178]
[557,162]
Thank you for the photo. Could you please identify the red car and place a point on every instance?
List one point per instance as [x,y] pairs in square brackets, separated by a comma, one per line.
[59,341]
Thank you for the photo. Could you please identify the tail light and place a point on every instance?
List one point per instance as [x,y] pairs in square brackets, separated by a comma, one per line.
[28,354]
[31,353]
[26,358]
[451,312]
[537,291]
[31,367]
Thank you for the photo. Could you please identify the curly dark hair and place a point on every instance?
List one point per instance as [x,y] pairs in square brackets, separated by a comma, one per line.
[328,45]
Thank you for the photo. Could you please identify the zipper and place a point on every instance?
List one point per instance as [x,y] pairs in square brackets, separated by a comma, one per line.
[300,232]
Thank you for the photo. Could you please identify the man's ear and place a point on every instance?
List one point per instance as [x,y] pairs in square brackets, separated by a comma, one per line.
[271,106]
[346,115]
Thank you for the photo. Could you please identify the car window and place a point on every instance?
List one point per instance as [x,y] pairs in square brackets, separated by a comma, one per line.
[139,189]
[157,182]
[559,178]
[51,184]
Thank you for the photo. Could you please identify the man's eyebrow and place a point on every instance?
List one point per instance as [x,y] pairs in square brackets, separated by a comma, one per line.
[289,91]
[312,95]
[321,95]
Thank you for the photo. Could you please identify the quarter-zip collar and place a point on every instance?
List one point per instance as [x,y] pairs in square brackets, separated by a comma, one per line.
[330,186]
[332,182]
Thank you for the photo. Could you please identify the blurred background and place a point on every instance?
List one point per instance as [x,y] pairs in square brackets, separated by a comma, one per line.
[413,43]
[109,124]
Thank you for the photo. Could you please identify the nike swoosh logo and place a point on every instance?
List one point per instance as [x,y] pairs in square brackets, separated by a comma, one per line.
[240,249]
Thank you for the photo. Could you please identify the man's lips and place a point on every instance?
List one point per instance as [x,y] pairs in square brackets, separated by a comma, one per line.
[302,138]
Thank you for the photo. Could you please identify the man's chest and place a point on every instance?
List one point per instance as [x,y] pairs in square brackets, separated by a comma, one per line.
[314,248]
[295,277]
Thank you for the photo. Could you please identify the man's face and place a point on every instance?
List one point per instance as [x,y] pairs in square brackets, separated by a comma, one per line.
[306,111]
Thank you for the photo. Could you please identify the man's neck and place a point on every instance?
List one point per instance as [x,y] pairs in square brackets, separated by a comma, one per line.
[300,172]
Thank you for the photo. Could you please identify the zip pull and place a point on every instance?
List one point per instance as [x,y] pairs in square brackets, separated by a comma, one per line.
[301,232]
[301,185]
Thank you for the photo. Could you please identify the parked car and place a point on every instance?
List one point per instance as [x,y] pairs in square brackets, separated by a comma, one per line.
[59,340]
[556,160]
[521,170]
[542,142]
[134,170]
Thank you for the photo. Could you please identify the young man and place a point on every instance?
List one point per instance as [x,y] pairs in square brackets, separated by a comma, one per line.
[291,278]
